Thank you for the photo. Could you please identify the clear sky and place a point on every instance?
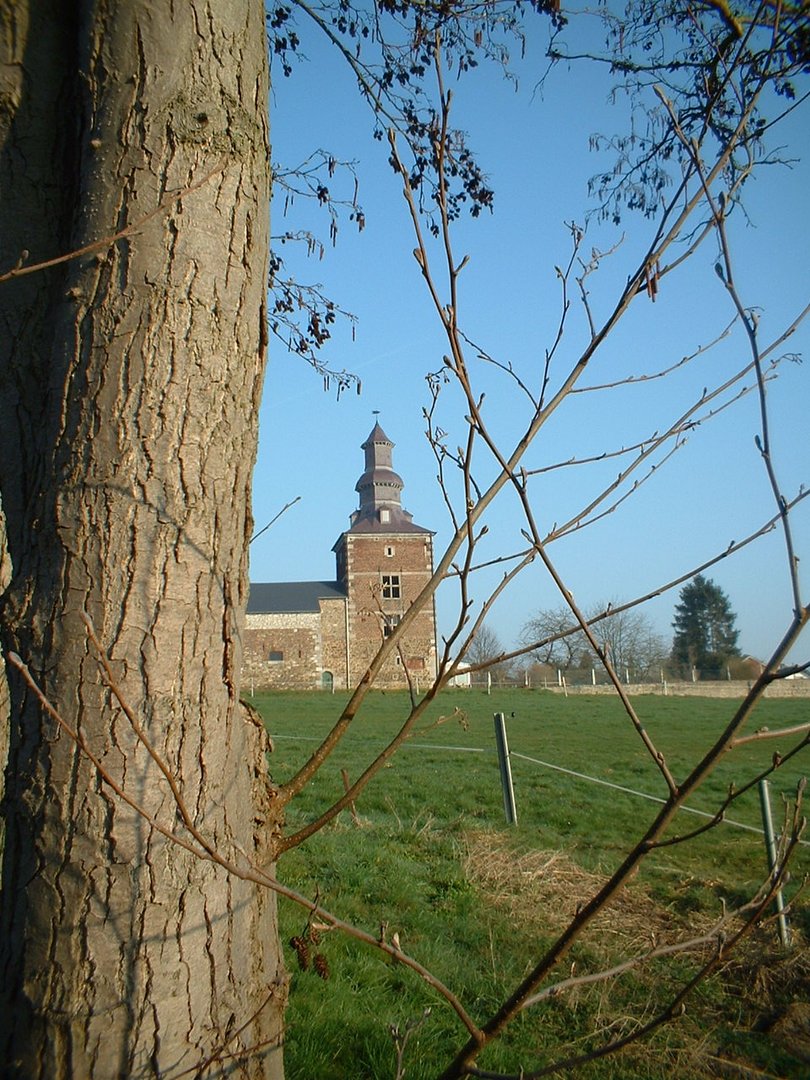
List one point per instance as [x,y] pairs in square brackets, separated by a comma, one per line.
[535,148]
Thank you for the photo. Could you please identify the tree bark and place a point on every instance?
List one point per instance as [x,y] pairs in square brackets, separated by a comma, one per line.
[129,388]
[5,703]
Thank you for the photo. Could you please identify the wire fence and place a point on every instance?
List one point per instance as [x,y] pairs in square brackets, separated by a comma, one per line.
[492,752]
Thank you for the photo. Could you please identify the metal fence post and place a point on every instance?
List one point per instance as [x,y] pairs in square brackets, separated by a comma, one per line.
[506,769]
[770,844]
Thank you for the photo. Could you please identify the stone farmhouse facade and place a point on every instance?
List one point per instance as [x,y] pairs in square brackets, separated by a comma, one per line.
[307,635]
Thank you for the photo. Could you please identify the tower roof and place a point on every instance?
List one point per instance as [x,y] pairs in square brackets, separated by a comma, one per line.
[377,435]
[379,488]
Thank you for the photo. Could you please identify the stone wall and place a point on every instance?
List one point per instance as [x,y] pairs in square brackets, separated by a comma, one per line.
[296,638]
[784,688]
[334,658]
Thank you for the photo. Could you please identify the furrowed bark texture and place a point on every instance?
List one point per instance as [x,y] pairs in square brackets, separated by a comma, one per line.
[5,703]
[129,388]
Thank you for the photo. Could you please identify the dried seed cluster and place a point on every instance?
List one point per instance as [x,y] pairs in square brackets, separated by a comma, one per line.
[302,945]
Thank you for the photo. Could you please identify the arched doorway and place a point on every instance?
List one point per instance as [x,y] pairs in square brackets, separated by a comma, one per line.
[327,681]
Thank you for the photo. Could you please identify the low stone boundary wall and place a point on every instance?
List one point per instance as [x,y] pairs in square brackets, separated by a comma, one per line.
[782,688]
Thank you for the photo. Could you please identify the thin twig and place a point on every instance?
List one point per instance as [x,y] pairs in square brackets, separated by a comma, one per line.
[207,851]
[23,269]
[275,518]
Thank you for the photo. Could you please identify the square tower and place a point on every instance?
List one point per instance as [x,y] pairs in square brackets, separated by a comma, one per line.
[384,561]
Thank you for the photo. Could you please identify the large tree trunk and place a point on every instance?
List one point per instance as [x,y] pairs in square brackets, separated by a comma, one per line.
[129,387]
[5,703]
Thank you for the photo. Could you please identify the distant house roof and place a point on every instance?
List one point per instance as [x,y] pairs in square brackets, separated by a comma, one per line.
[285,597]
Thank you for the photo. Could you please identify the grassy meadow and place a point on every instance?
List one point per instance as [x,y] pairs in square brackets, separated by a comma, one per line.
[474,900]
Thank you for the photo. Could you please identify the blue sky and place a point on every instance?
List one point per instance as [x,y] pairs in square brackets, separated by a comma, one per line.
[535,149]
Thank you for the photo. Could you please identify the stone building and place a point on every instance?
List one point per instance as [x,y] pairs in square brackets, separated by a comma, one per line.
[307,635]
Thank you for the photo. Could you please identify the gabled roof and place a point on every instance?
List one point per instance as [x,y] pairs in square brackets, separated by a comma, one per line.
[287,597]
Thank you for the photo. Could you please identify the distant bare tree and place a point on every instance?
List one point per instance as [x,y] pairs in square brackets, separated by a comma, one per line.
[559,638]
[484,655]
[630,641]
[623,636]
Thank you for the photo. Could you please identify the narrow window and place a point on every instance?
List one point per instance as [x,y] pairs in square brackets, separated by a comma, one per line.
[389,551]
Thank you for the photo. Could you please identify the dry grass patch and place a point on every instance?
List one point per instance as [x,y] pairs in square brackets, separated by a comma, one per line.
[762,989]
[547,888]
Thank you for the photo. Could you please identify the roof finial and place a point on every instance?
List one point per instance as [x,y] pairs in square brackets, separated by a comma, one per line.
[375,412]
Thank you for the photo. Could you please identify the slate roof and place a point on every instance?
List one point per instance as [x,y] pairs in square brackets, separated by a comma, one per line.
[400,522]
[380,490]
[286,597]
[377,435]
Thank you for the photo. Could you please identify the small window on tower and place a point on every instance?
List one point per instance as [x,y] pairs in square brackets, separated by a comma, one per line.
[390,623]
[389,551]
[390,587]
[275,656]
[385,516]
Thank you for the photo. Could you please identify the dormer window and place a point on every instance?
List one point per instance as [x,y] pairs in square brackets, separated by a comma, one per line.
[385,516]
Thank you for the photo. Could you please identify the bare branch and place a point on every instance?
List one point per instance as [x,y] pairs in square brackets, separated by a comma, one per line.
[22,268]
[275,518]
[204,849]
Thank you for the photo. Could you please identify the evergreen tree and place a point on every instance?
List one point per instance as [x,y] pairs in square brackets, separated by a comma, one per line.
[705,637]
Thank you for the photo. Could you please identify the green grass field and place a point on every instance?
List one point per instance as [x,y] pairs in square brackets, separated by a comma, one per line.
[475,900]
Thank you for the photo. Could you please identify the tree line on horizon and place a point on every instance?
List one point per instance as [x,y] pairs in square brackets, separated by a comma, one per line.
[704,644]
